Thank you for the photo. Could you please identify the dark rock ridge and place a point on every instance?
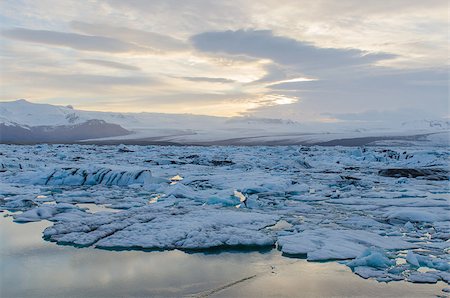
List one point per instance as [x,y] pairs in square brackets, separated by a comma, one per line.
[91,129]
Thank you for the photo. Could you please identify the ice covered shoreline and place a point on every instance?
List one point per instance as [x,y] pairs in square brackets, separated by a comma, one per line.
[319,203]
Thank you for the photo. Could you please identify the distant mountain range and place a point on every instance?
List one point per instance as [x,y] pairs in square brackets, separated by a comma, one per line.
[24,122]
[91,129]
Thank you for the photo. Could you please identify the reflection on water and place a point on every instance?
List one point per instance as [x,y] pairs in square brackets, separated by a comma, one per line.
[32,267]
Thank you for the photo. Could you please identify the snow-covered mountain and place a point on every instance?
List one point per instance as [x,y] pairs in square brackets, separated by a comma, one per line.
[22,121]
[25,122]
[91,129]
[24,112]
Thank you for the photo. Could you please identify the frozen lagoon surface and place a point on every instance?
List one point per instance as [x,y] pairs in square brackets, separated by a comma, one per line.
[156,220]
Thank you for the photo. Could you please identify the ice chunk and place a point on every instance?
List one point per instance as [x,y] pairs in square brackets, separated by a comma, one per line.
[224,201]
[416,215]
[445,276]
[435,263]
[241,197]
[327,244]
[426,277]
[412,259]
[179,190]
[368,272]
[46,212]
[176,178]
[281,225]
[372,257]
[94,176]
[298,188]
[362,223]
[409,226]
[35,214]
[162,228]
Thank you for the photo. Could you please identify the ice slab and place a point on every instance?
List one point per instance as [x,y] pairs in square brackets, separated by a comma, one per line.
[160,228]
[94,176]
[328,244]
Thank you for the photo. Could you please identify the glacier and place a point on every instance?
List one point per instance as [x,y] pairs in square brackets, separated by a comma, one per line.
[24,122]
[318,203]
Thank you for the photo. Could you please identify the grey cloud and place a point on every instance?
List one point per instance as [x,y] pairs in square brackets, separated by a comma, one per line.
[283,50]
[78,82]
[274,72]
[188,16]
[424,92]
[71,40]
[378,80]
[108,80]
[347,79]
[193,98]
[110,64]
[84,79]
[207,79]
[155,41]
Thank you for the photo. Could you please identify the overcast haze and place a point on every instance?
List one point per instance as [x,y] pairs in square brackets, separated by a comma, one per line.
[303,60]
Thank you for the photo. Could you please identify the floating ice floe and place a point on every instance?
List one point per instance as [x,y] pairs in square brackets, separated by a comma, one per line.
[414,215]
[94,176]
[161,228]
[372,257]
[49,212]
[332,244]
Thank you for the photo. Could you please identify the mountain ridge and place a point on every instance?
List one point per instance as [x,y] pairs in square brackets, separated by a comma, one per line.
[24,121]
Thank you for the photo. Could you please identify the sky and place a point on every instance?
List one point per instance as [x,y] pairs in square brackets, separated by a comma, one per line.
[322,60]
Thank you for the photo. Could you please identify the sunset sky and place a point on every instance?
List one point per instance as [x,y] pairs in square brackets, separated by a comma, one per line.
[304,60]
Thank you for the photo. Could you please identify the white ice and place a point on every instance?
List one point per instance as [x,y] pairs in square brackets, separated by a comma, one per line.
[322,203]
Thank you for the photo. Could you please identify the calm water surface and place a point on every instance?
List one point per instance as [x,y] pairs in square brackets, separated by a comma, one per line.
[32,267]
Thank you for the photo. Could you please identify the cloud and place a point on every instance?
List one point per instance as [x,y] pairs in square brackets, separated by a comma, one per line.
[342,79]
[282,50]
[207,79]
[274,72]
[424,93]
[378,80]
[155,41]
[178,16]
[341,44]
[72,40]
[88,82]
[110,64]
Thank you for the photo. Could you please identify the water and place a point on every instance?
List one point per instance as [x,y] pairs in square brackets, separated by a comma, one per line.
[32,267]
